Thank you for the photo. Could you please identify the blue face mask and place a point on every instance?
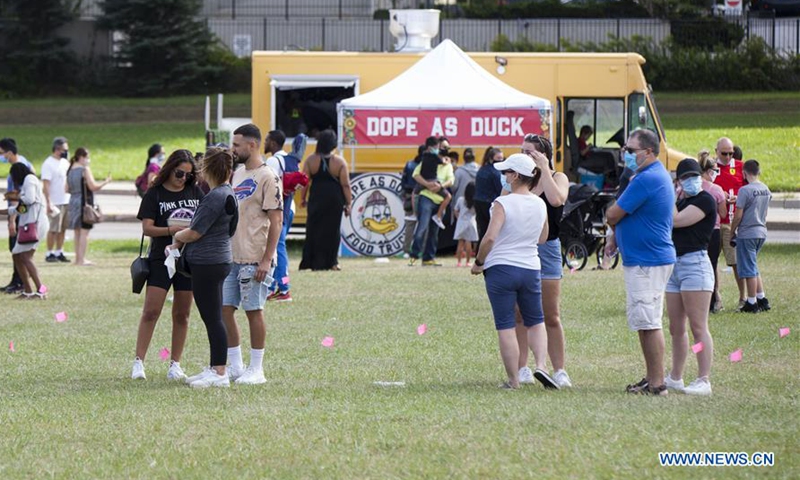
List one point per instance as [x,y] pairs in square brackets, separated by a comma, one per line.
[3,159]
[630,161]
[692,186]
[504,182]
[435,151]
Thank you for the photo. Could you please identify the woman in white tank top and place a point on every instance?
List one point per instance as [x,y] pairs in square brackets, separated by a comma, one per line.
[508,258]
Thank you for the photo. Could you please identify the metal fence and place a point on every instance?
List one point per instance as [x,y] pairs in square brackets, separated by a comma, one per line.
[245,34]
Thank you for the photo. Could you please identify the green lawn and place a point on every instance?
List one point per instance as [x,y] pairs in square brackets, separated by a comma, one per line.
[68,409]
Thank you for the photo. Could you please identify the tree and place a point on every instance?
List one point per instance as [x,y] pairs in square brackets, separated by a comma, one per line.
[33,57]
[165,50]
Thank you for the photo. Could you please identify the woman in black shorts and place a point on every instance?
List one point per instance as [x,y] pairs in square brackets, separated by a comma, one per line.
[167,208]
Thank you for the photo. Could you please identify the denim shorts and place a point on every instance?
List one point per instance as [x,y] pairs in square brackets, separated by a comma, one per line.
[550,256]
[508,286]
[692,273]
[241,289]
[644,287]
[746,251]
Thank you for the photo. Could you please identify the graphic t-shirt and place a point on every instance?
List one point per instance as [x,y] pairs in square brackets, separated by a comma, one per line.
[730,179]
[54,170]
[696,237]
[258,191]
[161,205]
[754,201]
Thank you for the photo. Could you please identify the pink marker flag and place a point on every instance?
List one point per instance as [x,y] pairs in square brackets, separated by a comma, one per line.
[11,346]
[571,270]
[43,289]
[164,354]
[285,280]
[327,342]
[783,331]
[736,356]
[422,329]
[698,347]
[61,317]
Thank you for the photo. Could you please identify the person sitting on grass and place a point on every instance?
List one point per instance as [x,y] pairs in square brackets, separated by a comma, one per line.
[749,230]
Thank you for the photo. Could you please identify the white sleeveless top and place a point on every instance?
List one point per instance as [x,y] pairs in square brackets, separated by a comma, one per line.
[516,245]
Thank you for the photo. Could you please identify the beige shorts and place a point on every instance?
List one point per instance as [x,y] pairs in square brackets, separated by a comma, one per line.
[645,295]
[58,223]
[730,252]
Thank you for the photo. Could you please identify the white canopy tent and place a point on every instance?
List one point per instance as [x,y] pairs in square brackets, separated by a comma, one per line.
[467,104]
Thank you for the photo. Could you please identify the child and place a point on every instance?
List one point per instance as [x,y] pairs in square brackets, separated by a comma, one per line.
[429,165]
[466,226]
[749,229]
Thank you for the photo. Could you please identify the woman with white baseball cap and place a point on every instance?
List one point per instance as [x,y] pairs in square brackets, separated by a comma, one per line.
[508,258]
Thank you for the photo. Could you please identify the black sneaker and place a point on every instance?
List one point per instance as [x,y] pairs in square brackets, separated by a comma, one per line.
[750,308]
[14,289]
[763,304]
[61,258]
[50,258]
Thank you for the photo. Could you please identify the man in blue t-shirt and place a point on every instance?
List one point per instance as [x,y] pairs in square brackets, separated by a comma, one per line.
[9,153]
[642,218]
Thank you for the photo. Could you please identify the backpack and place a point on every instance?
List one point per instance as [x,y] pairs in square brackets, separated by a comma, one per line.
[141,184]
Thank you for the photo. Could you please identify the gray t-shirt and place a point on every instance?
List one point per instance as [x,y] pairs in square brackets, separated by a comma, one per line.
[753,201]
[213,220]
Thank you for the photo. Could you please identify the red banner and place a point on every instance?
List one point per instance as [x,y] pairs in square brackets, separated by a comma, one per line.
[461,127]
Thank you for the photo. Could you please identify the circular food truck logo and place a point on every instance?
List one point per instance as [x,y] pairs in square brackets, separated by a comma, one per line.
[376,223]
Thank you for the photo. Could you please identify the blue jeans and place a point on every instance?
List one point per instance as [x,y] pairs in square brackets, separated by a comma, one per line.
[746,252]
[426,209]
[282,269]
[508,286]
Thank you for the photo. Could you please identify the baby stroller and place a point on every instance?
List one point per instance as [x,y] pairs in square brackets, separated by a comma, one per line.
[583,228]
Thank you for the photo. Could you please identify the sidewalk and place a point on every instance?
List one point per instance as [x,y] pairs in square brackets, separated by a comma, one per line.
[120,204]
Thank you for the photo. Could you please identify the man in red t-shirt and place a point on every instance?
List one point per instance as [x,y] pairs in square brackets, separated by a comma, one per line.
[731,179]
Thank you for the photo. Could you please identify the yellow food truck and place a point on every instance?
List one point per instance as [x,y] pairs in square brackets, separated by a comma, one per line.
[298,91]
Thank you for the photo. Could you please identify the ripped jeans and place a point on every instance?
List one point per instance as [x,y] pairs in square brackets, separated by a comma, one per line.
[241,289]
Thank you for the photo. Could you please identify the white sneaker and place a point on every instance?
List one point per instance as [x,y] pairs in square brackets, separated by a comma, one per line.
[211,379]
[562,379]
[698,387]
[251,376]
[525,375]
[138,369]
[235,372]
[175,372]
[673,384]
[198,376]
[438,221]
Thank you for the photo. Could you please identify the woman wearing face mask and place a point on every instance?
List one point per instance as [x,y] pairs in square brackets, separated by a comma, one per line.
[79,181]
[508,258]
[487,188]
[710,171]
[692,281]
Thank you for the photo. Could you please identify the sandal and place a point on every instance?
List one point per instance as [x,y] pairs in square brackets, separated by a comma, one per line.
[637,387]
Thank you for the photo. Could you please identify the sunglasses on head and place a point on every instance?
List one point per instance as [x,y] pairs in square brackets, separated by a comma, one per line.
[726,154]
[181,174]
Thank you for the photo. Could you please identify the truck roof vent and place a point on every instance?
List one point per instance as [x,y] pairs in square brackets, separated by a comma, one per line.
[413,29]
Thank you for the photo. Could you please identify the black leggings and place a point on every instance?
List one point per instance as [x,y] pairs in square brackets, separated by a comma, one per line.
[207,290]
[482,217]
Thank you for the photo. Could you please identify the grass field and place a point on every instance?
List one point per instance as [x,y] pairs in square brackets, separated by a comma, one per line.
[68,409]
[765,125]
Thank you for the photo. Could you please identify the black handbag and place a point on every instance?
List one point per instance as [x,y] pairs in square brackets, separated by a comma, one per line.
[140,270]
[182,265]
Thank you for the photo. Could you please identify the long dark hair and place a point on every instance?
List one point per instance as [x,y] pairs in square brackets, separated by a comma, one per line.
[326,142]
[488,156]
[542,145]
[177,158]
[469,194]
[18,173]
[80,152]
[152,152]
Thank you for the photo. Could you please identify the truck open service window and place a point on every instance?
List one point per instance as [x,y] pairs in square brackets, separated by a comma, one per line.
[307,103]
